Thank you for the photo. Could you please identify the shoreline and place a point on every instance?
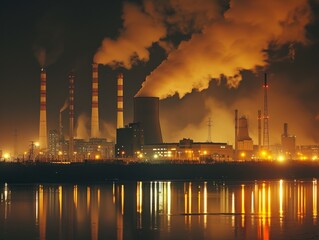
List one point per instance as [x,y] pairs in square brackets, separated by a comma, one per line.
[90,172]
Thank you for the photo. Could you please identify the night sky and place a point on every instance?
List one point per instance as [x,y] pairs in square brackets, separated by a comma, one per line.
[202,58]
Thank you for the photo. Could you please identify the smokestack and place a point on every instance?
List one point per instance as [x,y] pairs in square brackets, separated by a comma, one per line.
[71,115]
[285,130]
[43,139]
[266,117]
[95,102]
[120,105]
[236,132]
[60,126]
[146,112]
[259,129]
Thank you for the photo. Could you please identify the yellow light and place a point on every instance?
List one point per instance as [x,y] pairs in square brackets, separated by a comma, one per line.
[37,144]
[314,157]
[59,153]
[243,154]
[263,153]
[6,155]
[205,152]
[97,156]
[281,158]
[140,155]
[155,156]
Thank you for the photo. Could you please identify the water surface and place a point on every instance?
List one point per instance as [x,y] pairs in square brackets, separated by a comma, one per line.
[161,210]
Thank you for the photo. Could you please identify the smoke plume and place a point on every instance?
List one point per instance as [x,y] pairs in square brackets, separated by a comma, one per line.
[82,127]
[139,32]
[228,45]
[65,105]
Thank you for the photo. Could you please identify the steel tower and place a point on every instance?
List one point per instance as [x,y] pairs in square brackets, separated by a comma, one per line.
[266,116]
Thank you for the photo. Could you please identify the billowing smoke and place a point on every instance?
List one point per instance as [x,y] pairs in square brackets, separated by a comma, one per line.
[40,55]
[139,32]
[82,127]
[108,130]
[228,45]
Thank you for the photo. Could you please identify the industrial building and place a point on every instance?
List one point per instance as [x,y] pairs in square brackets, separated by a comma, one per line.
[187,149]
[129,141]
[288,143]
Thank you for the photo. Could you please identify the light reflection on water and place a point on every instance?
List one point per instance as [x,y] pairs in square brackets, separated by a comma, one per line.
[161,210]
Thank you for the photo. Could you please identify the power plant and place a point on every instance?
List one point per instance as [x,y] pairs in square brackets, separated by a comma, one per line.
[142,138]
[43,138]
[146,112]
[95,127]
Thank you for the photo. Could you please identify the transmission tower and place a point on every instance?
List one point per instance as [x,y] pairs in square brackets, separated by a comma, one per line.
[266,117]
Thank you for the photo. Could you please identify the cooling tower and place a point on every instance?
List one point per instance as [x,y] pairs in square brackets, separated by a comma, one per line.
[43,139]
[95,129]
[243,129]
[146,112]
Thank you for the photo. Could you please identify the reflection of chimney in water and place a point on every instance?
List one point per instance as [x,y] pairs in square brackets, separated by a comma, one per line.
[71,115]
[95,102]
[43,140]
[120,105]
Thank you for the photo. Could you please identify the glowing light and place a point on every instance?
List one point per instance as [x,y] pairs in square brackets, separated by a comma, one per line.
[155,156]
[243,154]
[6,155]
[97,157]
[37,144]
[281,158]
[314,158]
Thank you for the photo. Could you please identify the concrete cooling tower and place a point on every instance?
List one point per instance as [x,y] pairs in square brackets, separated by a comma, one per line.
[146,112]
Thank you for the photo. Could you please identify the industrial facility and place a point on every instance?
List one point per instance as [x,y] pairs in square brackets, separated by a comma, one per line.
[142,140]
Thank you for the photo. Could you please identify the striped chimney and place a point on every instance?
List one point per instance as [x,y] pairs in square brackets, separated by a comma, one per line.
[120,117]
[43,139]
[95,103]
[71,115]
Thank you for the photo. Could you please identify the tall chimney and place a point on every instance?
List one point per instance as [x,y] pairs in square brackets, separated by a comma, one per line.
[43,139]
[266,116]
[71,115]
[259,129]
[120,105]
[236,132]
[95,102]
[285,130]
[146,112]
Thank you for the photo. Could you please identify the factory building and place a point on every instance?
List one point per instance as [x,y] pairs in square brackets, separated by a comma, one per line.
[245,146]
[187,149]
[129,141]
[288,143]
[54,144]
